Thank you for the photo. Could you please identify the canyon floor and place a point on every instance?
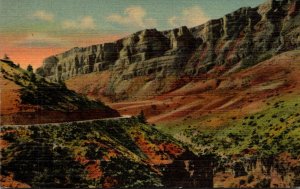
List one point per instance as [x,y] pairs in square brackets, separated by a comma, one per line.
[211,101]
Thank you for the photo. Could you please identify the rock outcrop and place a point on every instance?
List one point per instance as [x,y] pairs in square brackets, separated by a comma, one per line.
[281,171]
[238,40]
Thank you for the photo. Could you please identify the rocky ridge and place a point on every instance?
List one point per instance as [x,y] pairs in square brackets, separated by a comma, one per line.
[238,40]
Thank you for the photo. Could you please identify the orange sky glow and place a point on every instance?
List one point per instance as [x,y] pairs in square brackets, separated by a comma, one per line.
[35,55]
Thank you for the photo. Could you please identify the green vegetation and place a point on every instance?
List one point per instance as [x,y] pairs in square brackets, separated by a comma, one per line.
[251,61]
[49,155]
[36,90]
[43,165]
[62,99]
[270,132]
[269,139]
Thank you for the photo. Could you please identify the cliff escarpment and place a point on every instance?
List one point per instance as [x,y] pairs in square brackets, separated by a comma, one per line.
[152,62]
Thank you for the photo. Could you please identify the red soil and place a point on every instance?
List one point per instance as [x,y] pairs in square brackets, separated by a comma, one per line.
[10,98]
[109,182]
[9,182]
[93,169]
[3,144]
[170,148]
[112,153]
[157,154]
[236,95]
[95,86]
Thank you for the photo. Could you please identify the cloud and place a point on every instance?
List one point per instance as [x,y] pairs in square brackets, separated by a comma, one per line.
[191,16]
[83,23]
[40,41]
[134,16]
[43,15]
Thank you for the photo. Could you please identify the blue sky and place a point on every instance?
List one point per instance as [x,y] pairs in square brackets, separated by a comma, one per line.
[16,13]
[62,24]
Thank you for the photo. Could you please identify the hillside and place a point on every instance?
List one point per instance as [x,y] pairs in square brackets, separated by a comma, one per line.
[104,154]
[28,98]
[222,97]
[264,144]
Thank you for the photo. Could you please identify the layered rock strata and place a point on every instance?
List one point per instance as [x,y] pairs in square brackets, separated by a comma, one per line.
[238,40]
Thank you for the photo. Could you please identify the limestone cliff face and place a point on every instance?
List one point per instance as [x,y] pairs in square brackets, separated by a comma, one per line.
[239,39]
[141,53]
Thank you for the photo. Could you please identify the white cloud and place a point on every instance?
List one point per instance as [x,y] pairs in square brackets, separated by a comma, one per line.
[43,15]
[134,16]
[191,16]
[40,40]
[83,23]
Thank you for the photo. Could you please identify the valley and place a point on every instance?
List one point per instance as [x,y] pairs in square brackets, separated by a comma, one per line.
[214,105]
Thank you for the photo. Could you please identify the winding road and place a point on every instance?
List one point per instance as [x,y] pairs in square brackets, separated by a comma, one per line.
[81,121]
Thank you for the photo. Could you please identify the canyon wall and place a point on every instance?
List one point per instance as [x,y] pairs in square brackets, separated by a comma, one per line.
[236,41]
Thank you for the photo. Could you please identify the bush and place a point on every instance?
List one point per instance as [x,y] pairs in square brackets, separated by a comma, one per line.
[250,178]
[265,183]
[242,182]
[41,165]
[10,137]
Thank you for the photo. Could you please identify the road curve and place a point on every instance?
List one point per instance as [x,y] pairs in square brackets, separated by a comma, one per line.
[81,121]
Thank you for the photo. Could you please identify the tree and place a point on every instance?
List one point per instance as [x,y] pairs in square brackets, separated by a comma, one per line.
[141,117]
[5,57]
[29,68]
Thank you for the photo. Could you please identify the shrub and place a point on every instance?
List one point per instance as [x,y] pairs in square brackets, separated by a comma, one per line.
[10,137]
[242,182]
[265,183]
[250,178]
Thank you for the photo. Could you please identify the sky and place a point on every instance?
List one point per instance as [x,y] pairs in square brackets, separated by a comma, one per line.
[31,30]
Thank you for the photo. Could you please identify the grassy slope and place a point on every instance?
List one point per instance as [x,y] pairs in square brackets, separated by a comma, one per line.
[261,123]
[101,154]
[274,130]
[31,99]
[262,116]
[37,91]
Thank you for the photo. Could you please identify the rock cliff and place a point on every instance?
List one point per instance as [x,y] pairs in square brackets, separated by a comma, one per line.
[238,40]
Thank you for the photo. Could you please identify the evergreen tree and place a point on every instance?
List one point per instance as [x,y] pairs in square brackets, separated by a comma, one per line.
[29,68]
[141,117]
